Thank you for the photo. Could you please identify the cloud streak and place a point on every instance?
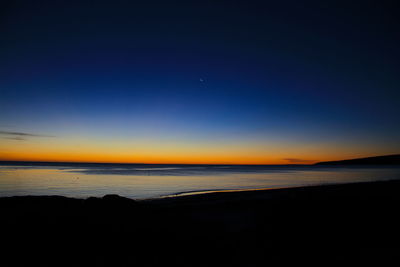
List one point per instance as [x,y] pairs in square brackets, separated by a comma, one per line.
[298,161]
[20,136]
[15,138]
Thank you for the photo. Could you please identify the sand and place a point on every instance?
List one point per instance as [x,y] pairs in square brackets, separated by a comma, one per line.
[330,223]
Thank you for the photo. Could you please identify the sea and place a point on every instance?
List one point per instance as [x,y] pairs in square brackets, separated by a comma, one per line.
[147,181]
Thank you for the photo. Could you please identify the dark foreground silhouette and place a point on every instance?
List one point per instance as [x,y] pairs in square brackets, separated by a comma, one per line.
[252,228]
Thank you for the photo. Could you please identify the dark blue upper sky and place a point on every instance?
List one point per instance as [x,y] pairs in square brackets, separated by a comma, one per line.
[312,72]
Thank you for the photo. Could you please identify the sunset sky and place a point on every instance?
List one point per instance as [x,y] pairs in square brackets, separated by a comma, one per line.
[220,82]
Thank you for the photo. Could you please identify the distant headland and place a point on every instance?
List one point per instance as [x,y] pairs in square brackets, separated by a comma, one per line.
[379,160]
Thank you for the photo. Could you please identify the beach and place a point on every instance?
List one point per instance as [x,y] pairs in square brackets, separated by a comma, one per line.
[199,133]
[327,223]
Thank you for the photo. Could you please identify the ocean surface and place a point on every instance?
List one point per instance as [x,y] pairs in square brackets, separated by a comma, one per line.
[141,181]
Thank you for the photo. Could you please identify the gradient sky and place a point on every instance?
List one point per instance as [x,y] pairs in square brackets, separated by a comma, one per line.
[251,82]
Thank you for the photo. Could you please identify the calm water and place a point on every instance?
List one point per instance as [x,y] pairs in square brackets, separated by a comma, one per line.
[148,181]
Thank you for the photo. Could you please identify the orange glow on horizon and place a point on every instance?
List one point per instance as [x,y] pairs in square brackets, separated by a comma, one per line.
[174,152]
[189,159]
[90,158]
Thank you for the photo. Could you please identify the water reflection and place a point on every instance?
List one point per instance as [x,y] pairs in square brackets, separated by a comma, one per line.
[146,182]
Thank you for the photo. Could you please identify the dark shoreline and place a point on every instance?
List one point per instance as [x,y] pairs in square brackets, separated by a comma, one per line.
[318,223]
[256,191]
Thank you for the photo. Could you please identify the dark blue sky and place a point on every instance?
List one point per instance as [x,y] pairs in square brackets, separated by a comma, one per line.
[256,73]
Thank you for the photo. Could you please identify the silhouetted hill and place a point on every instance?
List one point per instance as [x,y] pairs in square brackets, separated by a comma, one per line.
[379,160]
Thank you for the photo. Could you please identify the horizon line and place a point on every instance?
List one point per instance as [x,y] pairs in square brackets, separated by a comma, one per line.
[155,163]
[126,163]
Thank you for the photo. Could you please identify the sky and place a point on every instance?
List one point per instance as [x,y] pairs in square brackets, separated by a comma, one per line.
[216,82]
